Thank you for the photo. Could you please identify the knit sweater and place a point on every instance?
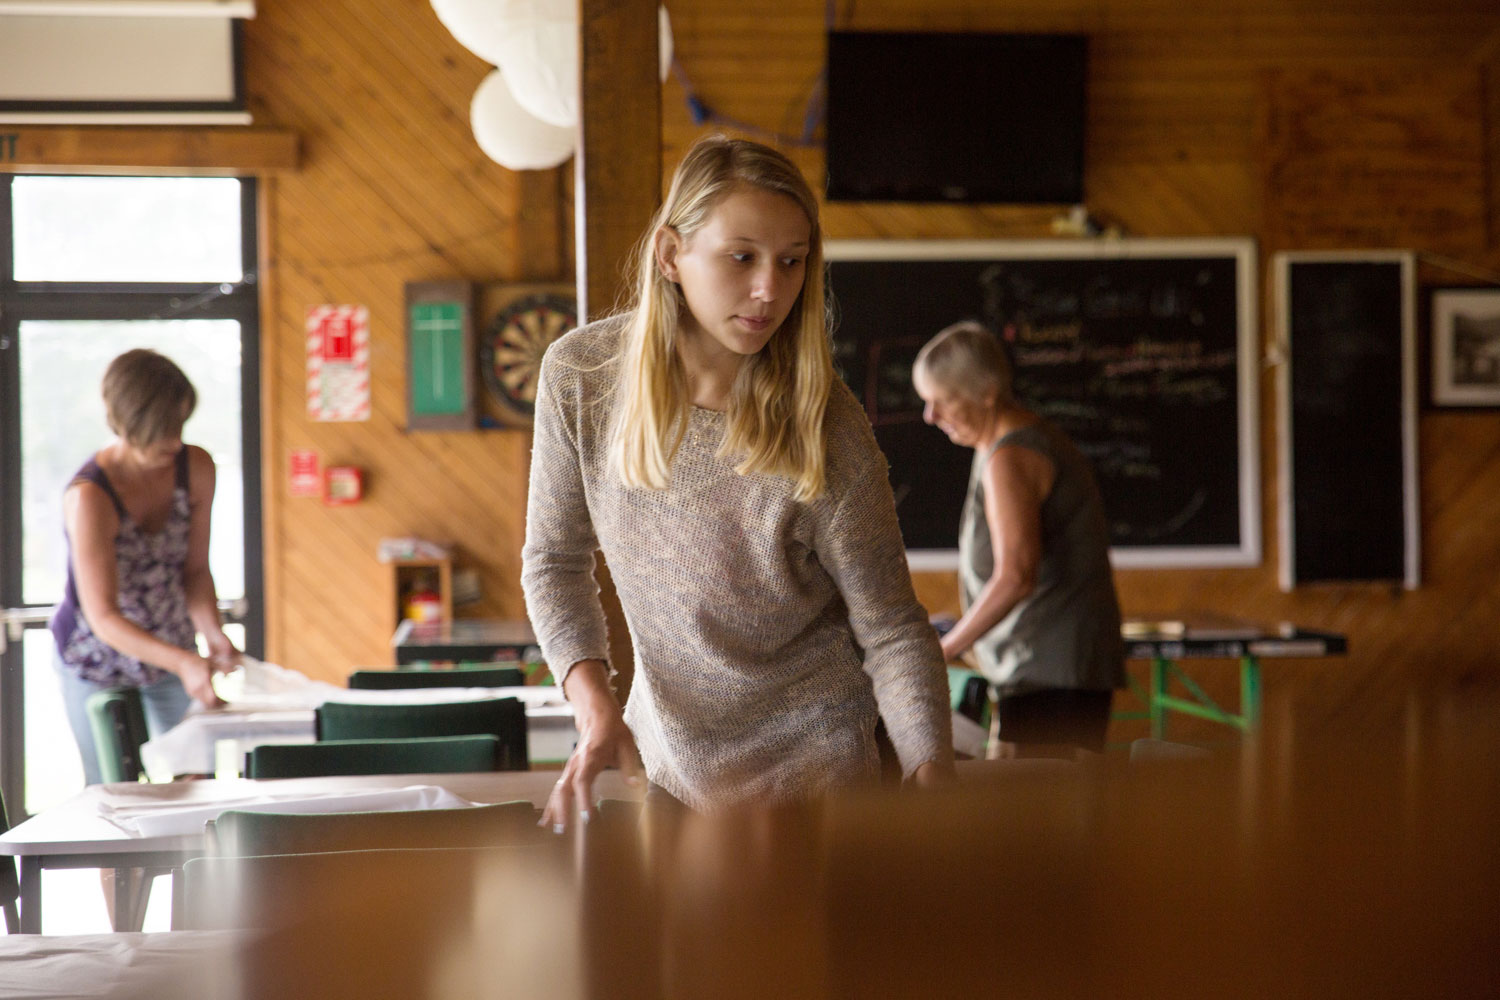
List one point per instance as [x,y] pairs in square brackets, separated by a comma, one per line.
[767,631]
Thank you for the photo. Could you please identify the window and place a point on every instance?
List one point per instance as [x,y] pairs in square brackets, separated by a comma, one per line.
[91,267]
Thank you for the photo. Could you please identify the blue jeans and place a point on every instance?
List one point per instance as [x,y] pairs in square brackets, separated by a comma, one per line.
[165,703]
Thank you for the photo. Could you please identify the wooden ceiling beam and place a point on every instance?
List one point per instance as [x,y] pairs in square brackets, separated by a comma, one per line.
[146,150]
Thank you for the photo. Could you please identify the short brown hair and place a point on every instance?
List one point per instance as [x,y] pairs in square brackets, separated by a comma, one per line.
[968,359]
[146,397]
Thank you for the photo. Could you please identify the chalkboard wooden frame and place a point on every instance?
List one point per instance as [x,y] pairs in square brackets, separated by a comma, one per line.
[1285,267]
[1240,544]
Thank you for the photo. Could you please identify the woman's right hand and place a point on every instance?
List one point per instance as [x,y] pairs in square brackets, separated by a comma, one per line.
[197,676]
[604,741]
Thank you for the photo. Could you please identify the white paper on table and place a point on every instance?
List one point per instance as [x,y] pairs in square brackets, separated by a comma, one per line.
[178,820]
[256,682]
[261,686]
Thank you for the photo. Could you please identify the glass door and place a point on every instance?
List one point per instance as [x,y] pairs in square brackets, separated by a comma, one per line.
[93,267]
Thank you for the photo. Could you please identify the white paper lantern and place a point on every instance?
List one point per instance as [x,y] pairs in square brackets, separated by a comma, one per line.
[664,43]
[512,136]
[479,25]
[540,57]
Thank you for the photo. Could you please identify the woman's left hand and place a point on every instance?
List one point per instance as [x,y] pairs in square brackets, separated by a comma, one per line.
[221,652]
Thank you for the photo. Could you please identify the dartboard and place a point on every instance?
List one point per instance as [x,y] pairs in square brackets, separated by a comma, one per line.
[511,353]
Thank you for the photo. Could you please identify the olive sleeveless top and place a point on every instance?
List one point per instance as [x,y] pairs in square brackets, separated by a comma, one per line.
[1066,633]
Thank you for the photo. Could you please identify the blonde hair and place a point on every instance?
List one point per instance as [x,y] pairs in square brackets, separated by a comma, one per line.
[777,404]
[966,358]
[146,397]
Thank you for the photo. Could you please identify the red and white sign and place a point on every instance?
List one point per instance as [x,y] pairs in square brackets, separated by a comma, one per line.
[338,363]
[305,479]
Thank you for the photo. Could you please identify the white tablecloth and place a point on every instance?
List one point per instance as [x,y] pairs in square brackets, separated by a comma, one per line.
[168,819]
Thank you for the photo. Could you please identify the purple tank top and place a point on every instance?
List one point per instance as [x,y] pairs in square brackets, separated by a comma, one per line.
[152,589]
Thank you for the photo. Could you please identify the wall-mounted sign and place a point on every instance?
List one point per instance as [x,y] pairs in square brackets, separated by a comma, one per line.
[439,355]
[305,480]
[338,363]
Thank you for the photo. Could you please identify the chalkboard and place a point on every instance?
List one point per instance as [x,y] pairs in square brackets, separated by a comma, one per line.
[1141,350]
[1347,402]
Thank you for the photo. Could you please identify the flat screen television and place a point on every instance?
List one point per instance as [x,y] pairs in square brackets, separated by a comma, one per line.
[966,117]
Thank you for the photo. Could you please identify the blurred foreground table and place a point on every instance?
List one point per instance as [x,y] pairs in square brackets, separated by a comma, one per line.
[1329,866]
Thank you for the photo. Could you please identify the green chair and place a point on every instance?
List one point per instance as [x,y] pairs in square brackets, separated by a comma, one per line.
[504,718]
[118,721]
[10,889]
[387,680]
[239,833]
[970,694]
[424,755]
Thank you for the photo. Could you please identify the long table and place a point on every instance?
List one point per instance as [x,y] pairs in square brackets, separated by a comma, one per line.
[1248,644]
[464,639]
[77,834]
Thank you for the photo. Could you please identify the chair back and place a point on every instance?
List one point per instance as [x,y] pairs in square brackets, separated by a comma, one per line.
[504,718]
[424,755]
[118,720]
[392,923]
[10,889]
[245,834]
[970,695]
[387,680]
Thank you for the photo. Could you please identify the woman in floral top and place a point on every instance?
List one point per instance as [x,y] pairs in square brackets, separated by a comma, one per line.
[139,588]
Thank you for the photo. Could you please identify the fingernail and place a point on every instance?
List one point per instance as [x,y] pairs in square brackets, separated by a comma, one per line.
[583,816]
[558,828]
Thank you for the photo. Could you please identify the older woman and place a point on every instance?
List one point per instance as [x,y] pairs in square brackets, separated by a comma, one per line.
[1040,611]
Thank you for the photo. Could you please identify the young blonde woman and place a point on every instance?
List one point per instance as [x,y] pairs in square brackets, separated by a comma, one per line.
[702,442]
[1040,610]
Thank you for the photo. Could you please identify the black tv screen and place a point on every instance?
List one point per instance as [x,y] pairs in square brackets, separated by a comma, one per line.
[929,116]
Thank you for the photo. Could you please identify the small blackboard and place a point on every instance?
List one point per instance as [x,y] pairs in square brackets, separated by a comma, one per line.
[1142,351]
[1347,401]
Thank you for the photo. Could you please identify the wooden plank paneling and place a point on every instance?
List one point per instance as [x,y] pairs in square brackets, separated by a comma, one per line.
[392,188]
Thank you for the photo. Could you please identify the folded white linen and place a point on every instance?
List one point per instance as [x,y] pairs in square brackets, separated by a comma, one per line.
[176,819]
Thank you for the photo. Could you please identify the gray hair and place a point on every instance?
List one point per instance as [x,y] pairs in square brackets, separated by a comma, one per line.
[966,358]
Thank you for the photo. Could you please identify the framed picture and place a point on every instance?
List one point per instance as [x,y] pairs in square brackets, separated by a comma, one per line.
[1466,347]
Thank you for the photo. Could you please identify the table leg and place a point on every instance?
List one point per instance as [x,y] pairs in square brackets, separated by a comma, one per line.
[179,900]
[1250,693]
[132,890]
[1158,693]
[31,894]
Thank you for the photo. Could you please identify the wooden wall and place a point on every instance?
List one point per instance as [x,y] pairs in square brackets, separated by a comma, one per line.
[1347,124]
[392,189]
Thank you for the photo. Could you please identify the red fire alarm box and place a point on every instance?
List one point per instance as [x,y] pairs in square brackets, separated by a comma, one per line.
[342,484]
